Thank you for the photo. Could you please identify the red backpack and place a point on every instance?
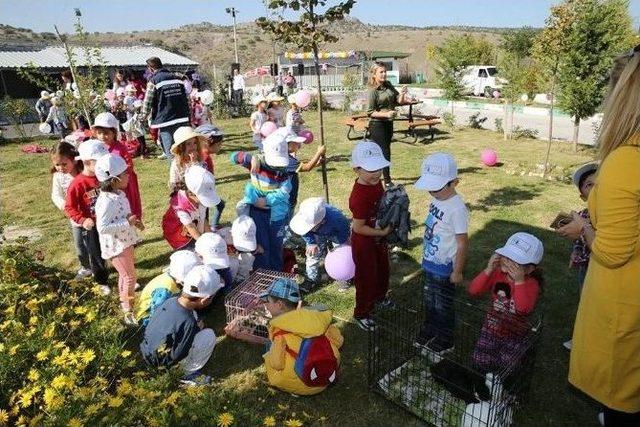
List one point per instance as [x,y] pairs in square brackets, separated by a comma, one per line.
[315,363]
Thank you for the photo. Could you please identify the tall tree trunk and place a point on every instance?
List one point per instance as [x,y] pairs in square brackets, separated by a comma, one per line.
[325,182]
[576,129]
[505,121]
[553,98]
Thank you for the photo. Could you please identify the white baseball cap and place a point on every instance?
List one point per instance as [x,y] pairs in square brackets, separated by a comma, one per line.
[577,175]
[276,150]
[310,214]
[368,156]
[181,263]
[437,170]
[202,183]
[243,231]
[106,120]
[213,250]
[109,166]
[523,248]
[258,99]
[91,149]
[202,281]
[45,95]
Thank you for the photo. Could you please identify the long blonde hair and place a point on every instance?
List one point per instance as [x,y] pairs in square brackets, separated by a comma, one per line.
[621,118]
[371,81]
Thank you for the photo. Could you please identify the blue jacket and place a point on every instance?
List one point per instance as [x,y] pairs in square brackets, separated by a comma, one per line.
[170,102]
[335,227]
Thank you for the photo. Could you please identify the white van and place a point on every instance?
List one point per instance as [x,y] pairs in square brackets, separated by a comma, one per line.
[481,80]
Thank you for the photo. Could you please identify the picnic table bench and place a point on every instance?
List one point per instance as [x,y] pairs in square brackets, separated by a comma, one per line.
[358,125]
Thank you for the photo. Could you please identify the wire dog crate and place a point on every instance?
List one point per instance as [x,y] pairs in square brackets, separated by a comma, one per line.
[246,316]
[479,383]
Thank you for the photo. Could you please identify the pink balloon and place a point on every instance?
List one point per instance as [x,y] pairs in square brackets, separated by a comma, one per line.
[339,263]
[268,128]
[496,94]
[303,98]
[307,135]
[489,157]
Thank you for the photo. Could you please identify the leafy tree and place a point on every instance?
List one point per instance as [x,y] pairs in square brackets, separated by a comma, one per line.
[588,35]
[519,42]
[308,32]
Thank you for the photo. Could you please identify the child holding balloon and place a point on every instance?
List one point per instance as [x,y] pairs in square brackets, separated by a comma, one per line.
[294,120]
[257,119]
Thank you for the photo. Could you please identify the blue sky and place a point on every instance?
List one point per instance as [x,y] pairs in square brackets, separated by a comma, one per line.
[128,15]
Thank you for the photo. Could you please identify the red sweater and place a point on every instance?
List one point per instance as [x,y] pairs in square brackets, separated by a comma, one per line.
[520,299]
[81,198]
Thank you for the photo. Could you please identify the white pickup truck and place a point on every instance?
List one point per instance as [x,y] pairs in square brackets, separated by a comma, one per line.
[481,80]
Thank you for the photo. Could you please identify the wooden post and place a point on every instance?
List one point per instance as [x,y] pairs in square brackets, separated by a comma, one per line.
[553,98]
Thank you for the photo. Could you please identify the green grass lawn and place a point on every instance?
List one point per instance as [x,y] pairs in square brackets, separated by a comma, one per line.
[499,202]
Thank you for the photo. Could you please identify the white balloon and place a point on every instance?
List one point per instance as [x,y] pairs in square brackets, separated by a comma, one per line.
[524,97]
[44,128]
[206,96]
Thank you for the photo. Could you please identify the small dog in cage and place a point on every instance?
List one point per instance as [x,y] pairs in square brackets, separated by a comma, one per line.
[303,334]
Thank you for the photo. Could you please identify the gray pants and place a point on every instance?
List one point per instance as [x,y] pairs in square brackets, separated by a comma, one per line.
[90,248]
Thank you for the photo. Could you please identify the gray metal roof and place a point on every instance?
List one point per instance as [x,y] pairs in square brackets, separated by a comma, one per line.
[54,57]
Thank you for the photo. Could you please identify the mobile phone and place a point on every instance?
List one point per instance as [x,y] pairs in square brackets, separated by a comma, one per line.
[561,220]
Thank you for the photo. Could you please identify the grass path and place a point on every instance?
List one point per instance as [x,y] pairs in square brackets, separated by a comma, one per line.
[500,203]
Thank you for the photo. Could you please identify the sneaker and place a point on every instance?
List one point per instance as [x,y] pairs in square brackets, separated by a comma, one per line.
[601,418]
[162,156]
[104,290]
[343,286]
[366,324]
[387,303]
[82,273]
[129,319]
[568,344]
[137,287]
[195,378]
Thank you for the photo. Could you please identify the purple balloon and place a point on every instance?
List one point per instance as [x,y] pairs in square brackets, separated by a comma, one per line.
[339,263]
[307,135]
[489,157]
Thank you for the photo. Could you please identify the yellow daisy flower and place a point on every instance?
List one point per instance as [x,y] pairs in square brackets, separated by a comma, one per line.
[90,316]
[115,402]
[292,422]
[125,354]
[269,421]
[42,355]
[92,409]
[74,422]
[225,419]
[4,417]
[13,350]
[87,355]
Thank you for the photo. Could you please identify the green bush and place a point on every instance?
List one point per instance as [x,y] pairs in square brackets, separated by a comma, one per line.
[17,111]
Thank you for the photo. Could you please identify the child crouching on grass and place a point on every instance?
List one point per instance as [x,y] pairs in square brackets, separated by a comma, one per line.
[370,254]
[515,282]
[304,355]
[115,224]
[175,334]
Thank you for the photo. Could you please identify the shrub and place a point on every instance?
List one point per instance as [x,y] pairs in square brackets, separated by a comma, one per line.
[475,121]
[520,132]
[498,124]
[449,119]
[17,111]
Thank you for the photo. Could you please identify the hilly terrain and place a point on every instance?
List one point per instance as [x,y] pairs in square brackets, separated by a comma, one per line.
[212,44]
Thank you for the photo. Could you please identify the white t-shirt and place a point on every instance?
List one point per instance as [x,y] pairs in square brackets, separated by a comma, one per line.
[59,189]
[258,119]
[115,232]
[238,82]
[445,219]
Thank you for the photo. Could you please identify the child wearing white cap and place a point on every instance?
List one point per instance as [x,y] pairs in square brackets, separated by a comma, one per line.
[294,120]
[274,109]
[258,118]
[185,219]
[191,344]
[243,235]
[584,179]
[165,285]
[446,244]
[80,208]
[370,254]
[515,282]
[115,224]
[320,225]
[212,249]
[266,198]
[106,129]
[57,117]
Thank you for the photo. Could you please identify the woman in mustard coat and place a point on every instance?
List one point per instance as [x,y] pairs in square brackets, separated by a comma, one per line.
[605,358]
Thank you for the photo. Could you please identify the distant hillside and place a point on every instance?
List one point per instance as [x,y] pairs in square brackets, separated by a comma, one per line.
[212,44]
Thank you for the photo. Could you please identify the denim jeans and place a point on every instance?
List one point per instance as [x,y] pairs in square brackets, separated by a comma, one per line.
[313,261]
[269,235]
[83,255]
[440,316]
[166,138]
[215,213]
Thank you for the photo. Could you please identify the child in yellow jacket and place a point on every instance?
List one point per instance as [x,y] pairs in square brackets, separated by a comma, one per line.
[304,354]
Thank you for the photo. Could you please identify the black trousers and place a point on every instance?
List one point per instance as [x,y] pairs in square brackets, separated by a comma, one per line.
[91,243]
[613,418]
[381,132]
[236,97]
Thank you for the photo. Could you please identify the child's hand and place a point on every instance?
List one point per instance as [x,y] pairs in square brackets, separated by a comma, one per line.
[312,250]
[139,225]
[255,165]
[88,224]
[515,270]
[132,220]
[494,263]
[573,230]
[322,149]
[456,278]
[391,114]
[193,157]
[388,229]
[261,202]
